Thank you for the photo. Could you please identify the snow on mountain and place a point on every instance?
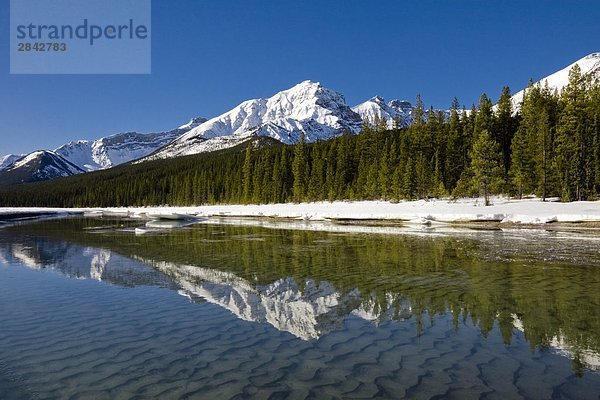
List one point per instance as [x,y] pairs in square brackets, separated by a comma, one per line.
[590,66]
[7,160]
[194,122]
[120,148]
[38,166]
[378,108]
[307,108]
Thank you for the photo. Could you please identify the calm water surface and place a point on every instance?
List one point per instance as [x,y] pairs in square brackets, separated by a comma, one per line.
[89,309]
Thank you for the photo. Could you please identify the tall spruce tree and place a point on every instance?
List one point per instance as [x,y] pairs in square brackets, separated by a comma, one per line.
[454,150]
[300,170]
[317,176]
[487,164]
[247,172]
[418,113]
[505,126]
[466,186]
[523,147]
[544,142]
[573,140]
[484,119]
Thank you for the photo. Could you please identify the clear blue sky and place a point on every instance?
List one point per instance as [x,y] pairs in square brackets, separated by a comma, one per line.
[208,56]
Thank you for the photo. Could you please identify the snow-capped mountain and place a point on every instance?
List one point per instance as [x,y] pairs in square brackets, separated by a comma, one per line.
[7,160]
[307,109]
[590,66]
[120,148]
[376,107]
[38,166]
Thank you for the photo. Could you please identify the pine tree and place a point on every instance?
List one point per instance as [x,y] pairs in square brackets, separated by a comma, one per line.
[542,164]
[397,122]
[397,182]
[382,125]
[286,175]
[372,188]
[418,112]
[344,168]
[317,177]
[523,146]
[439,136]
[276,177]
[438,188]
[409,185]
[572,139]
[521,163]
[395,170]
[300,170]
[247,171]
[384,174]
[329,190]
[505,127]
[484,119]
[487,164]
[366,126]
[455,162]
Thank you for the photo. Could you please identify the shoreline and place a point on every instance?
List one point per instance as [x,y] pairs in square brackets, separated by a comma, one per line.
[459,213]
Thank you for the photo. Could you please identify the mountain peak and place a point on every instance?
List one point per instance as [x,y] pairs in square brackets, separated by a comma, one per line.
[194,122]
[377,99]
[39,165]
[309,83]
[7,160]
[308,109]
[395,110]
[30,157]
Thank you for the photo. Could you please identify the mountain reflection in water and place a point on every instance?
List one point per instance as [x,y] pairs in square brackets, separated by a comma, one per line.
[307,283]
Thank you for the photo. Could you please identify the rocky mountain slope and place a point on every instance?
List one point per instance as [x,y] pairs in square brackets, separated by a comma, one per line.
[38,166]
[91,155]
[7,160]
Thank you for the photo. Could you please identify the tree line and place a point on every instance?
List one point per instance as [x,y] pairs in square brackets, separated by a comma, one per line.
[550,147]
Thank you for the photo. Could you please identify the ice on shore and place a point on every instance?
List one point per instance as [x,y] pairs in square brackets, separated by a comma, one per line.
[425,212]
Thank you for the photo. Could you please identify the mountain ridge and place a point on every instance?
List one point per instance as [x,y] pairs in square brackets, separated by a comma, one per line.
[119,148]
[37,166]
[307,109]
[7,160]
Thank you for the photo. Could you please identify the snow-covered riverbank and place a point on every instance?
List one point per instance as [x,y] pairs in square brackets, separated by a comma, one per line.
[504,211]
